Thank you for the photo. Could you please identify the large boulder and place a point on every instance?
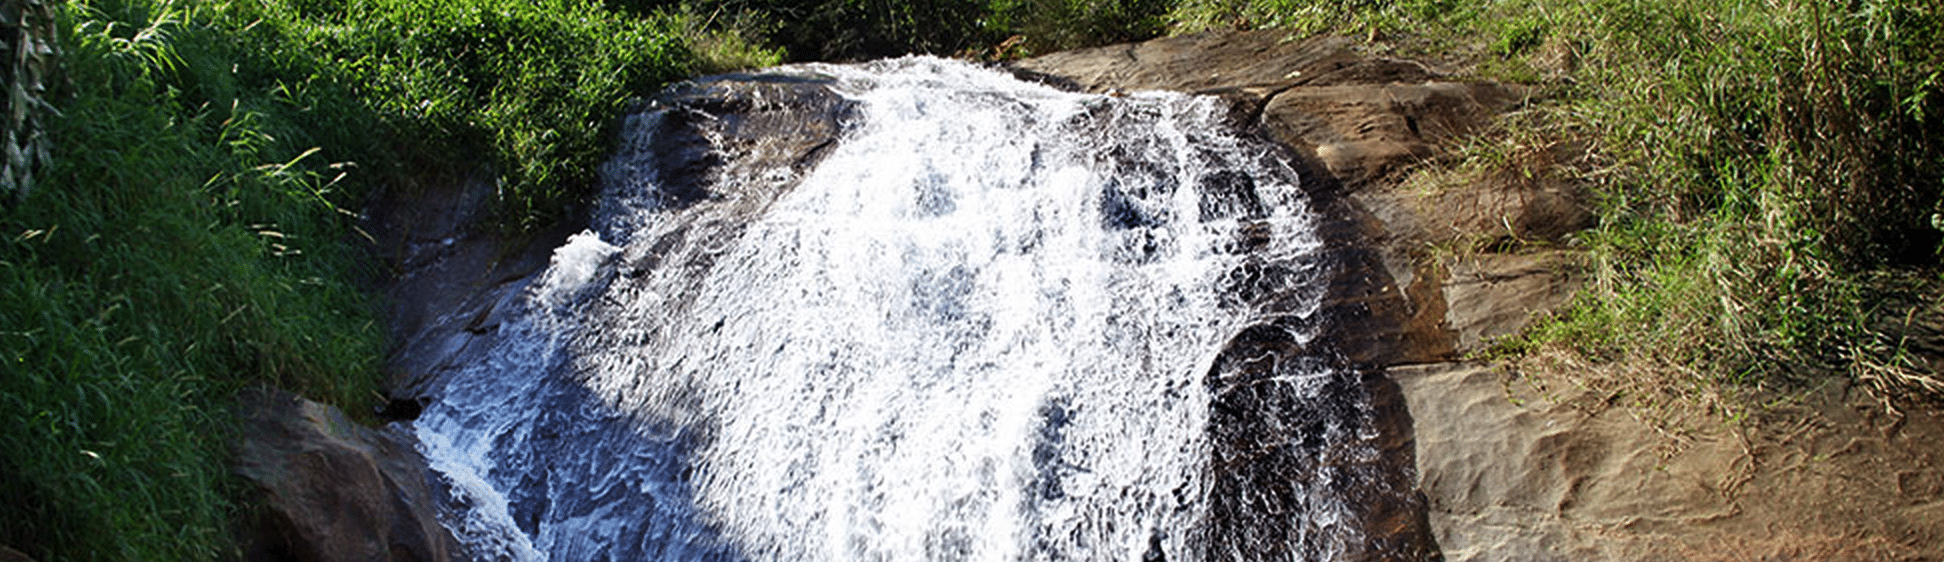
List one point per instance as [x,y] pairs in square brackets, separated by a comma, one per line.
[333,490]
[457,277]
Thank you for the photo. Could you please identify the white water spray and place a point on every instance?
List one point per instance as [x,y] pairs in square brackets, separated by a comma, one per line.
[977,330]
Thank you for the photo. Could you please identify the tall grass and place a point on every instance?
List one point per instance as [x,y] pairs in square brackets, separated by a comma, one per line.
[532,87]
[1763,163]
[1759,167]
[1768,174]
[194,232]
[172,253]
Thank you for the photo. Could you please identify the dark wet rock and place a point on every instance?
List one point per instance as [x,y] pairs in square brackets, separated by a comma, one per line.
[760,132]
[1311,456]
[397,409]
[333,490]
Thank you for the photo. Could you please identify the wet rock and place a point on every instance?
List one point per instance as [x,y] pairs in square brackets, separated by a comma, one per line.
[1355,123]
[1312,457]
[397,409]
[456,279]
[333,490]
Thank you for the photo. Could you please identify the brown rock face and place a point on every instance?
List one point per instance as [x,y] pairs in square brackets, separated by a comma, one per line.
[334,490]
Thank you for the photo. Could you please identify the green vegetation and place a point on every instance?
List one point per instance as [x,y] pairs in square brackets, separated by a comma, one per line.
[193,231]
[533,85]
[1768,176]
[842,30]
[175,250]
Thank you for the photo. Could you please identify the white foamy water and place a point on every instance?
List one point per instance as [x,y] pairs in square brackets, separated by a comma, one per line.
[978,329]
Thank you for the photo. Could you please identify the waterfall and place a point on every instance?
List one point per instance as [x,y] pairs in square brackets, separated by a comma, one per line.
[982,325]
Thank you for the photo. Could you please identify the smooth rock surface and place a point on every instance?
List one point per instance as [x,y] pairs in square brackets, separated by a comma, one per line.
[1517,470]
[333,490]
[1488,296]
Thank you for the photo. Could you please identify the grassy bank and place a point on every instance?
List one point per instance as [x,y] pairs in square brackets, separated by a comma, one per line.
[1768,178]
[193,229]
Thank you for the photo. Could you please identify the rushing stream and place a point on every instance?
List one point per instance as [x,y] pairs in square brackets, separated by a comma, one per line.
[981,327]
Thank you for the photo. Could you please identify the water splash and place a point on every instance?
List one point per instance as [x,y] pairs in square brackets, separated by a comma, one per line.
[978,329]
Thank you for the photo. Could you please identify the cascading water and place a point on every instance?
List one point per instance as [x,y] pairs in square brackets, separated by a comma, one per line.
[982,326]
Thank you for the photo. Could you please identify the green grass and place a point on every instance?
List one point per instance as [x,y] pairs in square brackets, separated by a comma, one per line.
[531,86]
[1768,176]
[195,232]
[174,252]
[1759,168]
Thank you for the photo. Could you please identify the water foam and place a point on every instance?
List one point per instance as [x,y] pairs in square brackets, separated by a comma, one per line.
[977,330]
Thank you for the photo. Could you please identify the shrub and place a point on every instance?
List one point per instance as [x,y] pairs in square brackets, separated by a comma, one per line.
[844,30]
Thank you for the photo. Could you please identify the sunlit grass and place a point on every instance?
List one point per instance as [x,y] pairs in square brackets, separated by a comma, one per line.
[195,232]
